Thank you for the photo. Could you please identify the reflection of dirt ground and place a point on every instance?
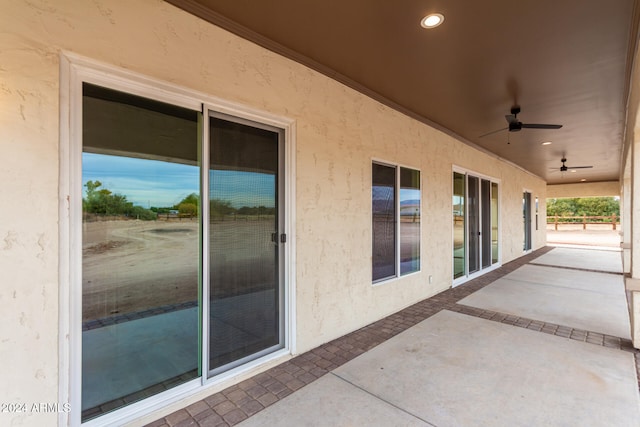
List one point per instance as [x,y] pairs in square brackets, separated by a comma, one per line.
[135,265]
[132,266]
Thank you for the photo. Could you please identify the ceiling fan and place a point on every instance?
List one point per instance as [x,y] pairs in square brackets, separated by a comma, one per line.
[516,126]
[565,168]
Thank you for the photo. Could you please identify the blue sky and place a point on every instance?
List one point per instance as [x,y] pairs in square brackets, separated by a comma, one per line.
[156,183]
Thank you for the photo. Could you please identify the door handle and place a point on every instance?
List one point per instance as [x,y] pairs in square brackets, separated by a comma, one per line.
[278,238]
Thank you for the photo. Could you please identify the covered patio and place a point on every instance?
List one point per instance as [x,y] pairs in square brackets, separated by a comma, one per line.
[543,340]
[296,212]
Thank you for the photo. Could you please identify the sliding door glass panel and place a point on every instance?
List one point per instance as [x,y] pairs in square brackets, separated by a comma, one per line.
[485,235]
[384,221]
[246,313]
[409,220]
[473,215]
[494,223]
[526,215]
[140,248]
[459,241]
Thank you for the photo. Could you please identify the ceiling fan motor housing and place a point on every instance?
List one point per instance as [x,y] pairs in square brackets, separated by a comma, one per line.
[515,127]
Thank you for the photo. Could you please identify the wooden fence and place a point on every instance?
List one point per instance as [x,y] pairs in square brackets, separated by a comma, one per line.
[584,220]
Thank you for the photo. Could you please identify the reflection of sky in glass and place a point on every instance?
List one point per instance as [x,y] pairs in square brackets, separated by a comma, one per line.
[163,184]
[144,182]
[409,195]
[409,201]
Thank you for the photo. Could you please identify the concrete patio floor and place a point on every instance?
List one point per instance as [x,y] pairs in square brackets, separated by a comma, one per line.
[538,341]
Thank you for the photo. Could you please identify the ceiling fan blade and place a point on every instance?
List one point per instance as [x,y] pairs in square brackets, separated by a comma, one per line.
[579,167]
[540,126]
[511,118]
[492,132]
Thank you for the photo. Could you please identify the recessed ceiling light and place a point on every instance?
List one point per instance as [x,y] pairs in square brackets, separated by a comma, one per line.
[432,21]
[546,143]
[573,170]
[583,179]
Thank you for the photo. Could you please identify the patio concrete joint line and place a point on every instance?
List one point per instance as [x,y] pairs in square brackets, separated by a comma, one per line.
[588,270]
[382,399]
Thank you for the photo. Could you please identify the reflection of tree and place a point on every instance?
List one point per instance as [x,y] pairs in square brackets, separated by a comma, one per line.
[188,209]
[188,205]
[256,210]
[102,201]
[219,207]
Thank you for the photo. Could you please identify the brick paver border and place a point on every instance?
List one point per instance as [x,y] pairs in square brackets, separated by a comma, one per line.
[239,402]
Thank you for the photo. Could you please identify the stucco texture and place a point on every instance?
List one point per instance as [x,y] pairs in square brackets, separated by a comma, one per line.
[339,132]
[585,189]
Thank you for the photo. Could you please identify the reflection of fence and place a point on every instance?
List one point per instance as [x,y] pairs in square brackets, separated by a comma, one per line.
[93,217]
[178,217]
[238,217]
[584,220]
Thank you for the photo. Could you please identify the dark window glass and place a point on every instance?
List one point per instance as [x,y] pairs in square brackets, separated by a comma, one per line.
[384,221]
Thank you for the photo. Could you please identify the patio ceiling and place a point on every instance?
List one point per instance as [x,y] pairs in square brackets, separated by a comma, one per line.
[566,62]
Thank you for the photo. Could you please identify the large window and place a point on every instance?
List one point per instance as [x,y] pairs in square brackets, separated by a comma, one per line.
[178,256]
[396,215]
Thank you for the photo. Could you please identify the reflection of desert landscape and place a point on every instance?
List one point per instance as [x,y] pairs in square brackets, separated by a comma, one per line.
[131,266]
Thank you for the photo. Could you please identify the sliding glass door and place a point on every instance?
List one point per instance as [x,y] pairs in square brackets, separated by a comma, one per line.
[487,223]
[475,224]
[182,259]
[526,219]
[245,242]
[459,225]
[140,248]
[495,248]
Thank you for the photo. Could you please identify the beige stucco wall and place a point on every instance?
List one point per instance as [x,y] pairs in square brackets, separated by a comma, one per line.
[339,132]
[584,189]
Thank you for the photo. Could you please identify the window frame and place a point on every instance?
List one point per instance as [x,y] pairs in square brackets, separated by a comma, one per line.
[397,221]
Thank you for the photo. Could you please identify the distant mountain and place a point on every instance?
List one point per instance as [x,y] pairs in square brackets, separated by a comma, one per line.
[412,202]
